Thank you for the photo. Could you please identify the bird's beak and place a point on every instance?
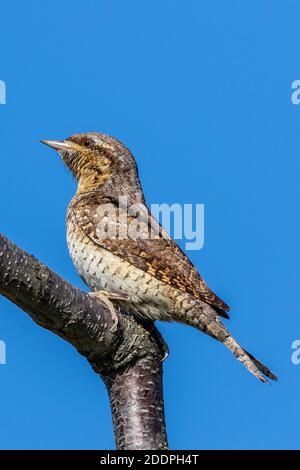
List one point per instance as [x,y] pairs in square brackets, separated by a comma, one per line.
[58,144]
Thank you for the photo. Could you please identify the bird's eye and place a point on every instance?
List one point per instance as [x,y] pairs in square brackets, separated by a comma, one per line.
[87,143]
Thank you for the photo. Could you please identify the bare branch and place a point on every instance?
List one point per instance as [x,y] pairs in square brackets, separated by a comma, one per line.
[128,359]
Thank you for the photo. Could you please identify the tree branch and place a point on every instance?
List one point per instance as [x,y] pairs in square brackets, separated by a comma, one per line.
[128,358]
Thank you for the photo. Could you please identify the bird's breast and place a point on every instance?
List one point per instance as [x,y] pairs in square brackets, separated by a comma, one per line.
[102,270]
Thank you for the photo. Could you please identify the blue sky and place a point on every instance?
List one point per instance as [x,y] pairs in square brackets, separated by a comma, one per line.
[201,93]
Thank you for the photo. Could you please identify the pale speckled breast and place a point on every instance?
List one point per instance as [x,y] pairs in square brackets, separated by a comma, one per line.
[102,270]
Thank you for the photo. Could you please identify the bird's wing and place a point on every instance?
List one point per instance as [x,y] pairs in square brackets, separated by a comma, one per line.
[161,257]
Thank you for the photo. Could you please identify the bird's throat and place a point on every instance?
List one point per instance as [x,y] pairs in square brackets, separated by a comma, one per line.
[91,179]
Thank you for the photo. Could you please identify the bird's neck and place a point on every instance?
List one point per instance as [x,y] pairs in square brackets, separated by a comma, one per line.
[90,181]
[113,186]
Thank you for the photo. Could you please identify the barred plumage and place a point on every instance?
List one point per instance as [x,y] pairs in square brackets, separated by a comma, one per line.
[156,277]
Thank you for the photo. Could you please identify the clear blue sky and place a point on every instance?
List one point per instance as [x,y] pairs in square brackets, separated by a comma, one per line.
[201,93]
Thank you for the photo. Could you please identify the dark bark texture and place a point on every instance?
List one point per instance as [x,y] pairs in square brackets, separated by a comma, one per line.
[128,357]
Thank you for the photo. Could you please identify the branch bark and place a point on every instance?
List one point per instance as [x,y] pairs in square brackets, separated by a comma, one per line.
[128,358]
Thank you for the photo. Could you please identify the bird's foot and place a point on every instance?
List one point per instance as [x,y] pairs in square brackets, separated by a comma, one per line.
[106,299]
[163,345]
[156,335]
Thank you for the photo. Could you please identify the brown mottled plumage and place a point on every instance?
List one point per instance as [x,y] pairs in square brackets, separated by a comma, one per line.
[153,278]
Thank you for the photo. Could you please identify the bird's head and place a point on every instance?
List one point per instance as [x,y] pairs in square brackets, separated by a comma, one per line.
[94,159]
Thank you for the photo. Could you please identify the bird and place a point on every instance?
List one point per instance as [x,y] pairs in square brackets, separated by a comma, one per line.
[108,236]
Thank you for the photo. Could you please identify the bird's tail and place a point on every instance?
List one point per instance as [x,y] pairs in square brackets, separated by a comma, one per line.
[254,366]
[207,322]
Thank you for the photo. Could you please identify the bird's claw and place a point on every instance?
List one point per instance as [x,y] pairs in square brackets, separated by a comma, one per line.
[105,298]
[109,295]
[166,354]
[115,322]
[155,333]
